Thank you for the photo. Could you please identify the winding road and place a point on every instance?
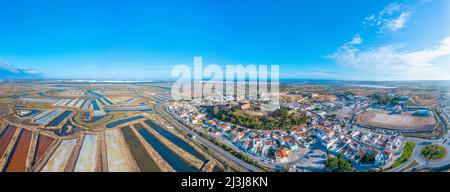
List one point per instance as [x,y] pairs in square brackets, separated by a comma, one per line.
[423,163]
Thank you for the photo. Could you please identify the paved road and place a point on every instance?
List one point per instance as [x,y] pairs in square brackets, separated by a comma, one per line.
[261,162]
[405,164]
[420,144]
[205,142]
[422,163]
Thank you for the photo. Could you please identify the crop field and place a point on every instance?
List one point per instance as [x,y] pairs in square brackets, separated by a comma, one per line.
[119,157]
[88,158]
[59,159]
[405,121]
[19,156]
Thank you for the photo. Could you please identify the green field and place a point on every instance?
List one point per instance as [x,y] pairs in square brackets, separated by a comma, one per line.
[406,154]
[411,165]
[433,152]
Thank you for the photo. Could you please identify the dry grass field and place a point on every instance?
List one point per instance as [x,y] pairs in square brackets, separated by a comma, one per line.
[405,121]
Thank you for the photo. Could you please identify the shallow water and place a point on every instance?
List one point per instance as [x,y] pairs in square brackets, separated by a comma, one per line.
[175,140]
[59,119]
[168,155]
[122,121]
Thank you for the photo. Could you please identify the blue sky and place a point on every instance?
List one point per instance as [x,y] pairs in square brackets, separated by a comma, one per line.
[320,39]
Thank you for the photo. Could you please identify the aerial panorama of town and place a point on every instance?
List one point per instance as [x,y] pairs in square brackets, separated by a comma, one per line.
[224,94]
[317,126]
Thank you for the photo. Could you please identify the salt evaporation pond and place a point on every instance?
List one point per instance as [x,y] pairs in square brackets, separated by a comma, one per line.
[101,101]
[31,113]
[87,159]
[59,159]
[42,145]
[175,140]
[65,130]
[143,159]
[17,161]
[87,105]
[93,119]
[46,118]
[96,107]
[42,114]
[38,100]
[119,158]
[128,108]
[168,155]
[95,93]
[5,138]
[59,119]
[122,121]
[108,101]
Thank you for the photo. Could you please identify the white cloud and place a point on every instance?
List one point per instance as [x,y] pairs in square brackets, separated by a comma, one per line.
[8,71]
[390,62]
[357,39]
[392,8]
[393,17]
[396,23]
[6,66]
